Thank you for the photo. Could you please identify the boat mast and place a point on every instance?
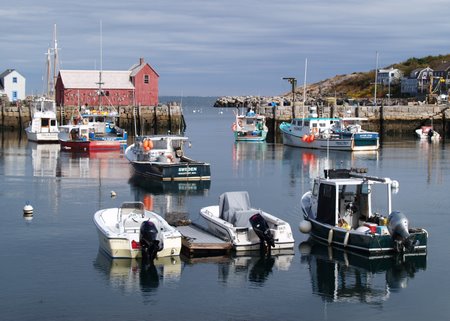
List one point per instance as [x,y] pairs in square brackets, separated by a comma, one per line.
[304,91]
[49,66]
[100,83]
[52,66]
[55,62]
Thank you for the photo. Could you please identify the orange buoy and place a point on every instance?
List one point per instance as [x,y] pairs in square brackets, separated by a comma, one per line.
[150,144]
[305,138]
[233,127]
[311,138]
[148,202]
[145,144]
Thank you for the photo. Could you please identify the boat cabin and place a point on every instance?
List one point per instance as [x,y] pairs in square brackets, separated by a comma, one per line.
[346,199]
[316,125]
[348,124]
[251,123]
[75,132]
[152,148]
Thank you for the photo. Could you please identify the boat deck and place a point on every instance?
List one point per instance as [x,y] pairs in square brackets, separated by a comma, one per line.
[197,241]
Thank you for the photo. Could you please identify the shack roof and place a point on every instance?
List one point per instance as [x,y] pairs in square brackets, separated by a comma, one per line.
[88,79]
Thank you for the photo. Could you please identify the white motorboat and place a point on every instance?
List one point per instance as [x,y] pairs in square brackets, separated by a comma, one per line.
[329,133]
[427,132]
[43,127]
[127,231]
[245,227]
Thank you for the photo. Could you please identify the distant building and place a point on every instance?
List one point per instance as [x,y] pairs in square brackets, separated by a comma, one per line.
[442,71]
[418,81]
[136,86]
[441,77]
[389,76]
[12,84]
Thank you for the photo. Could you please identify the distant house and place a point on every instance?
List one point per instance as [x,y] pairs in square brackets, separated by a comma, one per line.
[418,81]
[12,84]
[442,71]
[389,76]
[441,76]
[136,86]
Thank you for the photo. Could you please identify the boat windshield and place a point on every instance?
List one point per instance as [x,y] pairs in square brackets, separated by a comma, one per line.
[160,144]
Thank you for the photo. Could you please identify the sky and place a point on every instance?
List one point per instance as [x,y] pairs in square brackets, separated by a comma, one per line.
[221,48]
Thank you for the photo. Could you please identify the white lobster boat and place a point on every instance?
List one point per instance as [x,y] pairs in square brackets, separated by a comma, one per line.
[329,133]
[43,127]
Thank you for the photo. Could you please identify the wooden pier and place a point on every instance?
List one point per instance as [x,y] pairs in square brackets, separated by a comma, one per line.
[197,241]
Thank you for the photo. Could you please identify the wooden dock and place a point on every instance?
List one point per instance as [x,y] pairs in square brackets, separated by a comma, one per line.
[197,241]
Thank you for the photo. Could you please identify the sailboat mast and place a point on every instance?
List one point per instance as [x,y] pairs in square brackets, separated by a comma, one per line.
[49,79]
[304,91]
[100,83]
[55,61]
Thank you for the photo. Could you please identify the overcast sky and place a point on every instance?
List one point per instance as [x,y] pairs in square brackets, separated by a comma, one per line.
[221,48]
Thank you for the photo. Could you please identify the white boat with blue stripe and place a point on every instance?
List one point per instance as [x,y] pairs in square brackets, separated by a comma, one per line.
[329,133]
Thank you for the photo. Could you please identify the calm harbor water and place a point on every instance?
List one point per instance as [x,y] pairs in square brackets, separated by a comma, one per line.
[52,269]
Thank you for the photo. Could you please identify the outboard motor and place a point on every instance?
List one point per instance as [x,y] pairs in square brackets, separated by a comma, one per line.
[149,241]
[398,228]
[262,229]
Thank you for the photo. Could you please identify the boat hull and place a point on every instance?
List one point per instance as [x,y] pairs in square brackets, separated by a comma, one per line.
[250,136]
[357,142]
[120,247]
[92,145]
[173,172]
[42,137]
[362,242]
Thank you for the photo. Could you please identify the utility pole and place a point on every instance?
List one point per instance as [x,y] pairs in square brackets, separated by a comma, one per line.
[293,82]
[376,81]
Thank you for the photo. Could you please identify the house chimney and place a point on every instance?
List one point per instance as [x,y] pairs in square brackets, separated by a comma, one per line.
[141,61]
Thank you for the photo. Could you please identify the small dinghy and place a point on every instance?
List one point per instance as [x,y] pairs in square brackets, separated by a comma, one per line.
[245,227]
[130,231]
[340,210]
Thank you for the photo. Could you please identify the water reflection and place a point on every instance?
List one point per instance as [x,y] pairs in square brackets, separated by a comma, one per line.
[310,163]
[432,154]
[93,165]
[249,158]
[168,199]
[134,275]
[237,269]
[45,159]
[340,276]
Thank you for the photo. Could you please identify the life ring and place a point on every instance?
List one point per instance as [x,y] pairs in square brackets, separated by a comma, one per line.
[315,130]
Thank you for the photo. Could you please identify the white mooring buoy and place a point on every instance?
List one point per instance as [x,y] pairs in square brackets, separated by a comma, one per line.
[113,194]
[28,210]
